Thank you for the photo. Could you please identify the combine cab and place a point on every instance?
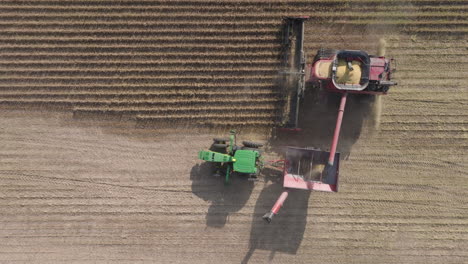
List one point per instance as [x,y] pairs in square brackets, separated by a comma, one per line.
[351,71]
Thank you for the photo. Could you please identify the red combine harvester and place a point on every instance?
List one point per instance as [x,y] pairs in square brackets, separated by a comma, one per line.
[336,71]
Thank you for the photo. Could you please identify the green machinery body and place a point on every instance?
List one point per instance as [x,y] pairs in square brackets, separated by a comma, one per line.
[236,159]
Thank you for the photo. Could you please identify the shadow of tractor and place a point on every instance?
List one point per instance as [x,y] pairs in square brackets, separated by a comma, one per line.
[225,199]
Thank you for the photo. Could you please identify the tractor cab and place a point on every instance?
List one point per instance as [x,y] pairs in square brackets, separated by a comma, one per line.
[350,70]
[245,161]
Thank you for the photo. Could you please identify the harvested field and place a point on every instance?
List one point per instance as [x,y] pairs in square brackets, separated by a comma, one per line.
[106,103]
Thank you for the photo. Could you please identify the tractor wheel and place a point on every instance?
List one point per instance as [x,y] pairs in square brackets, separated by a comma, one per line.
[220,140]
[323,53]
[220,146]
[251,144]
[260,151]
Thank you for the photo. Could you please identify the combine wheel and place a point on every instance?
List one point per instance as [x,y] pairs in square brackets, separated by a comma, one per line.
[251,144]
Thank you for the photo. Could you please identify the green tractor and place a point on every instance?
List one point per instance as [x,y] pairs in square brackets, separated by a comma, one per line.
[246,160]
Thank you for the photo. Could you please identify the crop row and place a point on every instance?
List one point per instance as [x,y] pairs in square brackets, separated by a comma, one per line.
[123,69]
[175,109]
[176,17]
[118,54]
[260,111]
[19,57]
[142,63]
[211,4]
[98,31]
[251,85]
[127,49]
[138,97]
[167,81]
[202,114]
[124,101]
[135,40]
[187,73]
[145,57]
[202,63]
[215,38]
[224,27]
[208,116]
[150,90]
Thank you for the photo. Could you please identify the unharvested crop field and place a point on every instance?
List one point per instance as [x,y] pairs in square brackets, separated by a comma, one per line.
[104,105]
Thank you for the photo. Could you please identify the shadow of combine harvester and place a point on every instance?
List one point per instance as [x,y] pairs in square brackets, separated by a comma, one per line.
[318,120]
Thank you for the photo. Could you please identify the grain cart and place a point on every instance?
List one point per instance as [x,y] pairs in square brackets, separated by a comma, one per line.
[303,170]
[246,160]
[335,71]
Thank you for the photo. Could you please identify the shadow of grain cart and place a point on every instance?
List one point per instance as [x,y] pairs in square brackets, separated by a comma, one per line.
[285,234]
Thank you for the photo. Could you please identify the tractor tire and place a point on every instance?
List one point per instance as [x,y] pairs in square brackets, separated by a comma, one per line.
[323,53]
[220,140]
[251,144]
[220,146]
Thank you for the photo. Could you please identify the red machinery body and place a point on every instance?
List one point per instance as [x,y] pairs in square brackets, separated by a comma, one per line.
[304,169]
